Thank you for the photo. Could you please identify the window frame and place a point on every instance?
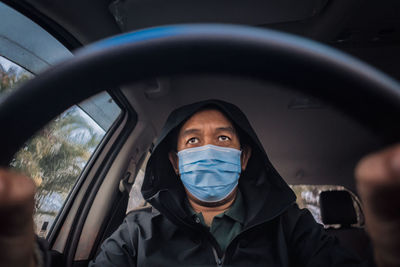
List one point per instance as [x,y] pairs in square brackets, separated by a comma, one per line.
[88,169]
[106,151]
[123,130]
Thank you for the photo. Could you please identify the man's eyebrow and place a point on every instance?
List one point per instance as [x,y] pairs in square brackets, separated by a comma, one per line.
[190,131]
[226,129]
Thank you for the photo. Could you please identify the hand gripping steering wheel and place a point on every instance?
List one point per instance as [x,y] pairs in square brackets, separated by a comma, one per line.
[355,88]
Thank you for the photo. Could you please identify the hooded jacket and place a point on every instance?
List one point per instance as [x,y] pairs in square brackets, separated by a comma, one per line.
[275,233]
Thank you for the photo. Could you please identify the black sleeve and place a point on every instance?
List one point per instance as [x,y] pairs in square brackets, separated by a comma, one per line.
[311,246]
[42,253]
[119,249]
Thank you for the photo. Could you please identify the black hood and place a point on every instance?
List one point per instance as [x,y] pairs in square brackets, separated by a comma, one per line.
[265,193]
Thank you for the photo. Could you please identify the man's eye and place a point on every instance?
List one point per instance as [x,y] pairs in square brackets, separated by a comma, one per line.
[193,140]
[223,138]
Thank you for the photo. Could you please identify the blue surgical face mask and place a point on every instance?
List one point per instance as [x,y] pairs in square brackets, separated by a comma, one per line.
[210,173]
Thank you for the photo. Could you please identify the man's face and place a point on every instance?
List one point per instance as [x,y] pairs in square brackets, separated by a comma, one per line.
[208,127]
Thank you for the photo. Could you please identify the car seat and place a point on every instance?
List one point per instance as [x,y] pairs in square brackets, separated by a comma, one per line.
[338,213]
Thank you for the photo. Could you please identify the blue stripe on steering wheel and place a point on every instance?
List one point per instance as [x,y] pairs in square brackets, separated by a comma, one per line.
[174,30]
[137,36]
[217,29]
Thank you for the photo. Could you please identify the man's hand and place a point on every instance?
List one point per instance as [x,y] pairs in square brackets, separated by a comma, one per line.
[16,223]
[378,183]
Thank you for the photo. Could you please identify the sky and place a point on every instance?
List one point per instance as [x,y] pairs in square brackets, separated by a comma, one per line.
[90,121]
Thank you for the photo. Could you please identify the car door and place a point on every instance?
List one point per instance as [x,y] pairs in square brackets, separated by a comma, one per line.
[83,161]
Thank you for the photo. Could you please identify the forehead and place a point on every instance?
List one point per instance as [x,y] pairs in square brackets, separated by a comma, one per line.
[207,117]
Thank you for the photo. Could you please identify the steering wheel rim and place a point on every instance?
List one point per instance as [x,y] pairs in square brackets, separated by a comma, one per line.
[341,80]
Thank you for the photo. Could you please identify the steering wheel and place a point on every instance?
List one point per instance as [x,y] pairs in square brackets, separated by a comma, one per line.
[355,88]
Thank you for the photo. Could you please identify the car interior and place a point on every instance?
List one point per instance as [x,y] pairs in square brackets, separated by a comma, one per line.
[310,141]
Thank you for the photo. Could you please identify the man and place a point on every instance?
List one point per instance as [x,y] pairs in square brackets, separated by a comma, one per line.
[217,200]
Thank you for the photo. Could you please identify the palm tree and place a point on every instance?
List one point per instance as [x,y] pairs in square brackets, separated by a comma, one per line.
[56,156]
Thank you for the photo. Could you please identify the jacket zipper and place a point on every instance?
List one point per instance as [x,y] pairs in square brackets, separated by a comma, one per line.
[218,260]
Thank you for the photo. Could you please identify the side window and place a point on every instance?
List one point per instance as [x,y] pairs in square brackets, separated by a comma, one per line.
[56,156]
[308,197]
